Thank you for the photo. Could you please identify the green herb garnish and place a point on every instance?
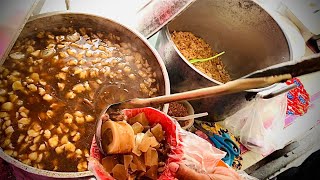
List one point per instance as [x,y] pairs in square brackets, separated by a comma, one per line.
[207,59]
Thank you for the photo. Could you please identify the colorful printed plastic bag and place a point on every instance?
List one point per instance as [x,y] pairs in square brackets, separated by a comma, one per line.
[298,98]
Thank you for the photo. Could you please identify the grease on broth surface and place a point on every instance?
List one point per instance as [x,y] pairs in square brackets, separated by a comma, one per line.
[48,93]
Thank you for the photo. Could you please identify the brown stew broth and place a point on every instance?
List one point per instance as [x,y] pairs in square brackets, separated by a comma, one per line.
[94,62]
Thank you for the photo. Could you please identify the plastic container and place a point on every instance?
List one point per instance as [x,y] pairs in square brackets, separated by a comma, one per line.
[190,110]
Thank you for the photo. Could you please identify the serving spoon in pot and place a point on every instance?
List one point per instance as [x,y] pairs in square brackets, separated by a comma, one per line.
[224,89]
[227,88]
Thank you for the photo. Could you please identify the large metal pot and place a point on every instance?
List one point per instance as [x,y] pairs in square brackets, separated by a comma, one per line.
[48,22]
[251,38]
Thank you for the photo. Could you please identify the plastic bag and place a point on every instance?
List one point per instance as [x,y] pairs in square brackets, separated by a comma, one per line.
[298,98]
[260,124]
[245,176]
[186,147]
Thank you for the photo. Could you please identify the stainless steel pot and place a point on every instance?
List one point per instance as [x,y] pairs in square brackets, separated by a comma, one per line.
[48,22]
[251,38]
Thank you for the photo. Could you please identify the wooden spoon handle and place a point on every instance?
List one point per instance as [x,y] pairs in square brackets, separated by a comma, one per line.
[228,88]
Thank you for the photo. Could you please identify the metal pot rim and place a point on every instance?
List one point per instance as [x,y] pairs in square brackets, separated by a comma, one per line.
[167,32]
[206,76]
[41,172]
[55,174]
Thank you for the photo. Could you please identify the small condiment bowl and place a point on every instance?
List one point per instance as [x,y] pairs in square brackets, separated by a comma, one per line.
[190,109]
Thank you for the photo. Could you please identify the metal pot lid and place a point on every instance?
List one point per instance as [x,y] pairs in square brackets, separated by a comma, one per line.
[13,11]
[157,13]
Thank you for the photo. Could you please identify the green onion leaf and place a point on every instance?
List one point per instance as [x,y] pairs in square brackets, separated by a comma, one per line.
[207,59]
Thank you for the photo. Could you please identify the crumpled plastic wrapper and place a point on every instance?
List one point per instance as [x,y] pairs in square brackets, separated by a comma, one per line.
[298,98]
[186,148]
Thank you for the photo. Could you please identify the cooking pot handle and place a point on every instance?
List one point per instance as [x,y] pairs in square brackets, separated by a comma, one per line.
[67,2]
[306,65]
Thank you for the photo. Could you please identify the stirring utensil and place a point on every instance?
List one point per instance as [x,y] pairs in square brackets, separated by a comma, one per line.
[228,88]
[259,79]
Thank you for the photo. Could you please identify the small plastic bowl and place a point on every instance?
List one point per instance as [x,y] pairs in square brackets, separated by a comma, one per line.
[190,112]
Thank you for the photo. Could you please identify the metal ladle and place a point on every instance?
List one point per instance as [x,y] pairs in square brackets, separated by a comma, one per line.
[228,88]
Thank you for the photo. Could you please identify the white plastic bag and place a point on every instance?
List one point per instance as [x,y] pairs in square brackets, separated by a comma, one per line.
[260,124]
